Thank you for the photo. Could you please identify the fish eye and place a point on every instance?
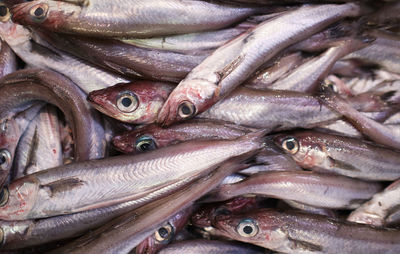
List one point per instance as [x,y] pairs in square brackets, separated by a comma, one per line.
[247,228]
[4,194]
[291,145]
[145,143]
[39,12]
[165,233]
[4,13]
[127,102]
[5,159]
[186,109]
[329,84]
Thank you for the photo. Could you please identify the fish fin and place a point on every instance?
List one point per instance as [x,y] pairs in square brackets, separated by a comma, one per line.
[297,245]
[62,185]
[342,164]
[45,51]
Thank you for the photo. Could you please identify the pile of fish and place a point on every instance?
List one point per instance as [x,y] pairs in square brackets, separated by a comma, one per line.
[199,126]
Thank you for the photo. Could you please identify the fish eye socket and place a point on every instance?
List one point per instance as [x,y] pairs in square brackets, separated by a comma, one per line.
[186,109]
[39,12]
[5,159]
[165,233]
[145,143]
[127,102]
[4,13]
[291,145]
[4,194]
[247,228]
[329,84]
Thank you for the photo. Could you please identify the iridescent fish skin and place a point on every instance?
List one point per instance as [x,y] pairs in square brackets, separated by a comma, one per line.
[137,102]
[293,232]
[341,155]
[231,64]
[128,18]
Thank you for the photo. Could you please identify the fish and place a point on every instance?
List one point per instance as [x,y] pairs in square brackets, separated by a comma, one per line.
[150,137]
[135,102]
[128,18]
[309,188]
[36,52]
[231,64]
[340,155]
[91,184]
[8,61]
[294,232]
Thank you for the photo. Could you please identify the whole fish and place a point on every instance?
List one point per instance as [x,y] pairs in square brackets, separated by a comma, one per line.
[122,234]
[40,146]
[341,155]
[136,102]
[319,190]
[293,232]
[128,18]
[379,208]
[152,136]
[37,53]
[23,87]
[92,184]
[231,64]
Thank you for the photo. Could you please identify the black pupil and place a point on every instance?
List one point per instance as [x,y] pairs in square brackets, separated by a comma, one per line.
[185,110]
[163,232]
[3,11]
[2,159]
[126,102]
[145,146]
[39,12]
[290,145]
[248,229]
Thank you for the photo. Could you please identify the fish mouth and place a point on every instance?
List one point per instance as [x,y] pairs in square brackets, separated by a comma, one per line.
[163,116]
[18,10]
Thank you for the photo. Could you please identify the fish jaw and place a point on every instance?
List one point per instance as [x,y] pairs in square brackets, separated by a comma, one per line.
[199,93]
[21,198]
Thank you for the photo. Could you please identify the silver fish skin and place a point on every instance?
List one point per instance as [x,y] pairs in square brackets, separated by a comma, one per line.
[40,146]
[294,232]
[8,61]
[92,184]
[131,18]
[192,42]
[308,76]
[310,209]
[341,155]
[309,188]
[271,109]
[21,88]
[383,51]
[37,53]
[209,246]
[231,64]
[379,208]
[126,232]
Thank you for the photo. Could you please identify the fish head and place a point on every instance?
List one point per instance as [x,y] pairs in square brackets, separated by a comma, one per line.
[17,200]
[147,138]
[13,34]
[260,228]
[186,101]
[136,102]
[51,15]
[307,149]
